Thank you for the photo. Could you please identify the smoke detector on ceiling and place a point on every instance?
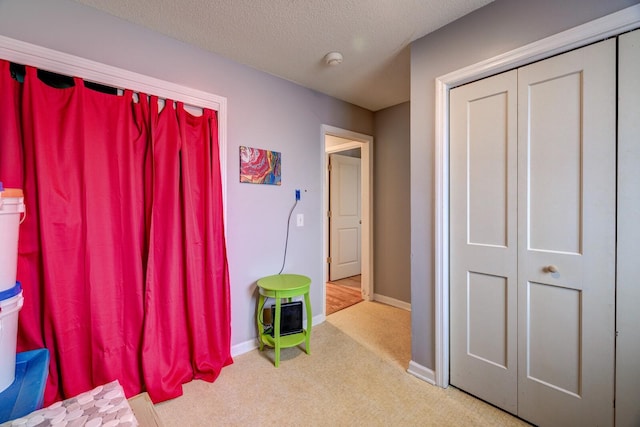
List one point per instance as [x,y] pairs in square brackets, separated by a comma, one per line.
[333,58]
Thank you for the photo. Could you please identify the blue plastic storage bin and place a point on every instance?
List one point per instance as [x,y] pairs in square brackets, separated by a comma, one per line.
[26,393]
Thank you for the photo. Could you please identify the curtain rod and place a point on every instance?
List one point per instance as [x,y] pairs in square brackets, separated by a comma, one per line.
[62,81]
[59,62]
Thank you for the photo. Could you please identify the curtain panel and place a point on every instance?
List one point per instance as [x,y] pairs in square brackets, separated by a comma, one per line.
[122,254]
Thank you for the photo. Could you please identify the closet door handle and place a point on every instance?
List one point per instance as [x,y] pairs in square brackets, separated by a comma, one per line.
[551,269]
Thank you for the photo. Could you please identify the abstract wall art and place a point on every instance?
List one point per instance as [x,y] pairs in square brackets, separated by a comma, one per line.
[258,166]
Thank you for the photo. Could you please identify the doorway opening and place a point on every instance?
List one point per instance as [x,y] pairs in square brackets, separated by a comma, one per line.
[347,239]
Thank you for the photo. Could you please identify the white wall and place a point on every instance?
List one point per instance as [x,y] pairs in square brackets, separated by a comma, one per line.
[496,28]
[263,111]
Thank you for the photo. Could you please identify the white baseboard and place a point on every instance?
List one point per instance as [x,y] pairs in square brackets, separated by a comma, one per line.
[244,347]
[392,302]
[419,371]
[320,318]
[252,344]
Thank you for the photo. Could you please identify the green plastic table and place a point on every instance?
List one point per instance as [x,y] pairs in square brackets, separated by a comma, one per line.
[283,286]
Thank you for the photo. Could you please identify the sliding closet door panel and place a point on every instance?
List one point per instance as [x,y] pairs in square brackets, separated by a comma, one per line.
[483,239]
[566,260]
[628,292]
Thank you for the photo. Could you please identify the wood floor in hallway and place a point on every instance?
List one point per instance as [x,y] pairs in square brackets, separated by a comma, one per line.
[343,293]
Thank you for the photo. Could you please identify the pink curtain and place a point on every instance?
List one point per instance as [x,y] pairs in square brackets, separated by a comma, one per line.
[122,255]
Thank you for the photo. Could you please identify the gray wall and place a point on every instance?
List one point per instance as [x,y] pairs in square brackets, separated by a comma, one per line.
[496,28]
[391,204]
[264,111]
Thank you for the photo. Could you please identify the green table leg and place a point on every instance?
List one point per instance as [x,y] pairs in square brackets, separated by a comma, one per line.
[276,331]
[259,319]
[307,303]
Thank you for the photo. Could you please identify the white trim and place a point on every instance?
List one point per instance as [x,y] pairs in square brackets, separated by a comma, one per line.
[599,29]
[342,147]
[320,318]
[244,347]
[365,143]
[63,63]
[442,236]
[419,371]
[392,302]
[591,32]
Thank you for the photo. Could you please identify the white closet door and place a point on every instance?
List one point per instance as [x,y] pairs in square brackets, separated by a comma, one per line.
[567,229]
[533,238]
[484,239]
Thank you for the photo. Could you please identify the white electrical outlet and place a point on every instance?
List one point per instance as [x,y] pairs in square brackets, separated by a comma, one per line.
[300,220]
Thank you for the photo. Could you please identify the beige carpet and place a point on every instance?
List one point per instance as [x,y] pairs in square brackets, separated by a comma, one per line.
[355,375]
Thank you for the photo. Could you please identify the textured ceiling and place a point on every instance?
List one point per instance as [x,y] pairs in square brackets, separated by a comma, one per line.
[289,38]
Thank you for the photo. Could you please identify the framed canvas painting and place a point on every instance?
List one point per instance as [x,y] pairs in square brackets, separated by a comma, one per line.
[258,166]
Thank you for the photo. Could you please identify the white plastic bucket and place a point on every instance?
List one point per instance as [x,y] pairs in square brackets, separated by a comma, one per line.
[9,310]
[11,210]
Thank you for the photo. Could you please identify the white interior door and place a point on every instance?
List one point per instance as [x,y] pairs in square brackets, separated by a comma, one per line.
[567,230]
[556,275]
[345,207]
[484,244]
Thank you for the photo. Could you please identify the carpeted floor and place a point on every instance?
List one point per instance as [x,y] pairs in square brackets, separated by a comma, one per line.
[355,375]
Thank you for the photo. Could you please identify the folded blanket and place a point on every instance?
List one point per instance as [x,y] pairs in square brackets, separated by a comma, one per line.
[105,405]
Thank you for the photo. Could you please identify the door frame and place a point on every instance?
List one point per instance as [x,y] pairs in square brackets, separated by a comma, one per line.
[364,142]
[599,29]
